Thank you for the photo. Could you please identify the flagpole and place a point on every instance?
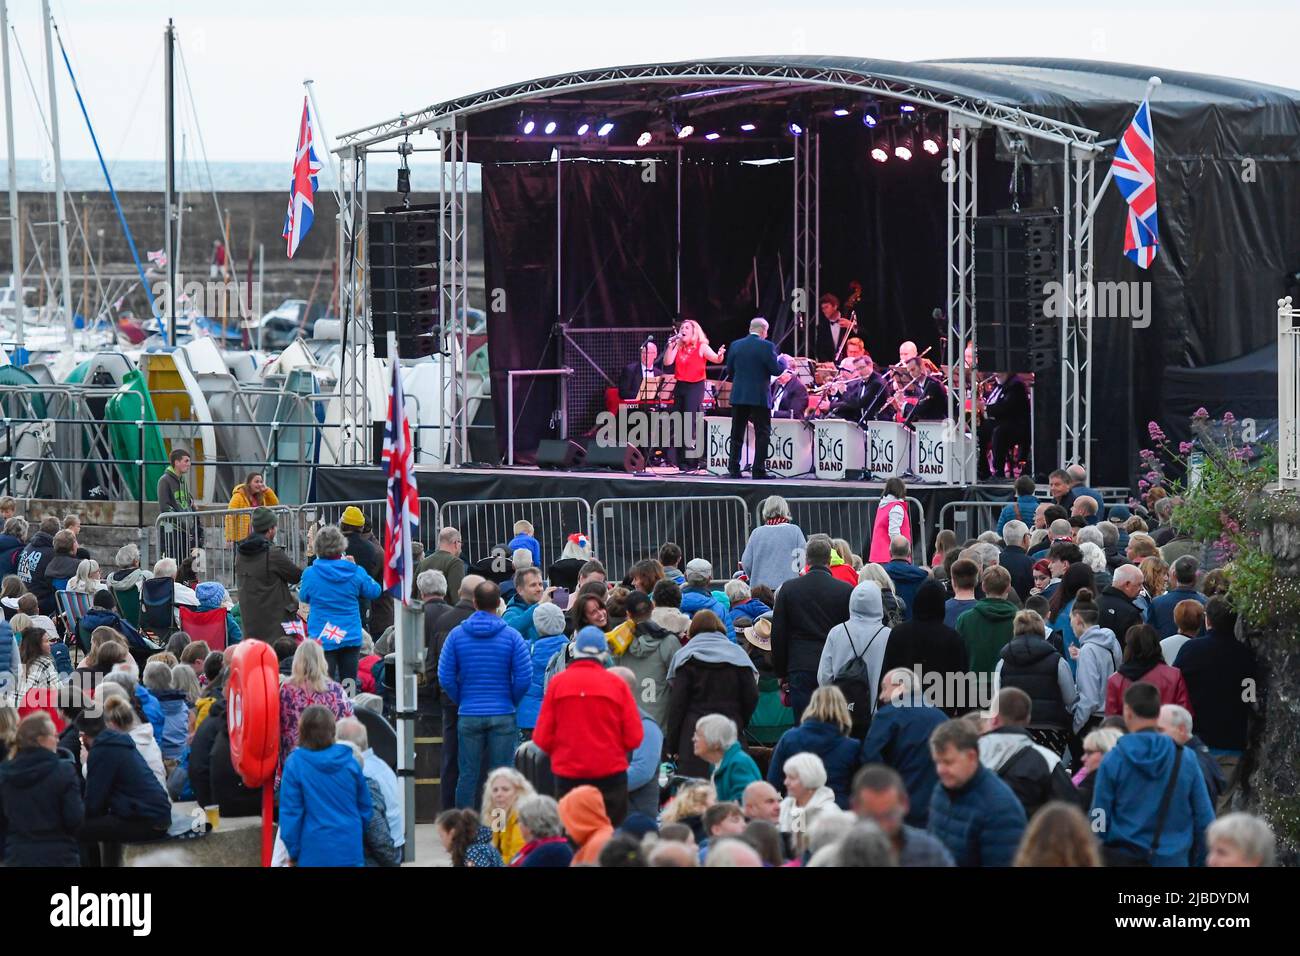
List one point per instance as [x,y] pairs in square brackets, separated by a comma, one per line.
[325,140]
[406,637]
[1152,83]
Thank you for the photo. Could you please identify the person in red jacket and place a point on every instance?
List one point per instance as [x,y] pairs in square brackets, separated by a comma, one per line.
[1144,661]
[589,724]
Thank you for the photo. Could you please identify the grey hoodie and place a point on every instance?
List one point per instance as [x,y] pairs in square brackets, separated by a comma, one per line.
[864,632]
[711,647]
[648,657]
[997,749]
[1099,657]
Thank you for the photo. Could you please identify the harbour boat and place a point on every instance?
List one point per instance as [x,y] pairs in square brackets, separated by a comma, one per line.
[134,435]
[183,416]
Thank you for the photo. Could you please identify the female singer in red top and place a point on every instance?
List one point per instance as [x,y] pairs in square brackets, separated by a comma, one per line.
[687,352]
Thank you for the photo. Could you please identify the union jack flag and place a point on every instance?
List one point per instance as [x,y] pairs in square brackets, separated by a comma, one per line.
[1134,170]
[302,190]
[294,628]
[403,513]
[332,634]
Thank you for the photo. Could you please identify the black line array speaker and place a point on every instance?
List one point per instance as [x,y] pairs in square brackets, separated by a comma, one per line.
[627,458]
[402,249]
[1017,270]
[559,453]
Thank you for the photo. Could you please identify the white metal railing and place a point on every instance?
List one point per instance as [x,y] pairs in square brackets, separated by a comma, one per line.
[1288,394]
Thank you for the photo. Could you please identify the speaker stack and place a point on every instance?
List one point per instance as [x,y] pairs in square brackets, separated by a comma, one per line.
[403,254]
[1018,306]
[1017,264]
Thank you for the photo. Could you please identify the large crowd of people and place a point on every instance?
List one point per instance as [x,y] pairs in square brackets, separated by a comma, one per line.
[1064,691]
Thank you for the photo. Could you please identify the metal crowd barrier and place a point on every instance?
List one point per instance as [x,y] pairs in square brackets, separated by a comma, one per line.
[485,525]
[219,530]
[970,519]
[628,530]
[216,531]
[852,519]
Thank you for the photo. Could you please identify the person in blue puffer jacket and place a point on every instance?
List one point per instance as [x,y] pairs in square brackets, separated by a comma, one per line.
[743,603]
[697,596]
[486,670]
[334,587]
[548,620]
[324,800]
[972,812]
[1022,506]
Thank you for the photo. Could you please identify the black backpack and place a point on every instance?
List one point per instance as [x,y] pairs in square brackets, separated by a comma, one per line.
[854,682]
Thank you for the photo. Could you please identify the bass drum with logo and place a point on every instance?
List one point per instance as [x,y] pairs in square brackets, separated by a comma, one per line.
[253,712]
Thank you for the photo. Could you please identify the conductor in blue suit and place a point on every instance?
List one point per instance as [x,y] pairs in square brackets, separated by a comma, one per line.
[752,361]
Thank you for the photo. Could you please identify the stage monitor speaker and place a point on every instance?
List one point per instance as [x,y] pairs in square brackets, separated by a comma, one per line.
[559,453]
[627,458]
[1017,258]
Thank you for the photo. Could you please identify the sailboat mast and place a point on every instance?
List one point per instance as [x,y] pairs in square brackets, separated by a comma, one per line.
[169,46]
[15,240]
[59,208]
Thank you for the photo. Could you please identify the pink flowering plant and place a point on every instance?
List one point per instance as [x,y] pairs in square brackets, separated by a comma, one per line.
[1219,501]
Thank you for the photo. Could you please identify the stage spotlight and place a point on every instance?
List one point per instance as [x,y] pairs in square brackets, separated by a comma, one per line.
[584,128]
[906,108]
[712,136]
[931,141]
[795,120]
[903,146]
[871,114]
[747,127]
[681,124]
[956,144]
[840,111]
[550,127]
[529,125]
[644,138]
[879,151]
[604,128]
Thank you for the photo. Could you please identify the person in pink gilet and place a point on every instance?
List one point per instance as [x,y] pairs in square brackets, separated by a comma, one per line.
[892,519]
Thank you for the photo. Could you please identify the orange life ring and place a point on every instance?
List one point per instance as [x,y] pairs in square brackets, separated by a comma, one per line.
[253,711]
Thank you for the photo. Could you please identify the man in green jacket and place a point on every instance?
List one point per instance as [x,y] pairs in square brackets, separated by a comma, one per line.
[987,627]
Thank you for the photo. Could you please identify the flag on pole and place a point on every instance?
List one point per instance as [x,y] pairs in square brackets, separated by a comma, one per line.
[302,190]
[403,514]
[158,258]
[1134,170]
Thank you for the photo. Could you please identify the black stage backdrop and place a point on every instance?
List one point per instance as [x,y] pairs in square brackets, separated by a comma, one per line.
[619,233]
[881,225]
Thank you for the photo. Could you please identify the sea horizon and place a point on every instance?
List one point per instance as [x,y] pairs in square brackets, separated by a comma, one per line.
[136,175]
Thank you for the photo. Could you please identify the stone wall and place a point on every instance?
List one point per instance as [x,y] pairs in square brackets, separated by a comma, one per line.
[255,217]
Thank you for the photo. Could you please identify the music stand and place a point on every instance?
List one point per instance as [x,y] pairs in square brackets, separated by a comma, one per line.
[722,395]
[667,385]
[649,389]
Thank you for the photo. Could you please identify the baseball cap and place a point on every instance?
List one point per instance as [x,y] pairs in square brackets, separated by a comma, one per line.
[590,642]
[699,568]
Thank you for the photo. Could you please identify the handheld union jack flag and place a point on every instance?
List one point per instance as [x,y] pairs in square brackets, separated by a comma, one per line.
[403,513]
[302,191]
[295,628]
[1134,170]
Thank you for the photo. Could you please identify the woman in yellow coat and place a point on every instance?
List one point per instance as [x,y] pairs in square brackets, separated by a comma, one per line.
[253,493]
[504,788]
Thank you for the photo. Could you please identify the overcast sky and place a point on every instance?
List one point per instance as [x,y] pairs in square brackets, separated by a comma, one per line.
[247,58]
